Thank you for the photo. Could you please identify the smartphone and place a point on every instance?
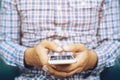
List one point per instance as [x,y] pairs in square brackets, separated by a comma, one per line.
[61,59]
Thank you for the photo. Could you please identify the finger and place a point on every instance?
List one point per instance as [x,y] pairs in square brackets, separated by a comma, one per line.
[51,45]
[74,47]
[54,72]
[66,68]
[82,60]
[61,74]
[76,71]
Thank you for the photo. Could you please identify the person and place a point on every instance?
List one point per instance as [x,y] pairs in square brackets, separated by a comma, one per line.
[89,28]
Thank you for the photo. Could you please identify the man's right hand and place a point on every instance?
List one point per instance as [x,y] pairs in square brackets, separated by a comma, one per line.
[38,56]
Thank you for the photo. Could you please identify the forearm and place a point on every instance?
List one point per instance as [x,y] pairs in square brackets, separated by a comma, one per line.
[12,53]
[10,50]
[107,53]
[108,35]
[103,56]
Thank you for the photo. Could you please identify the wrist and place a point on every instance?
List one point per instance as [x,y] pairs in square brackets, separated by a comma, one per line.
[28,62]
[92,60]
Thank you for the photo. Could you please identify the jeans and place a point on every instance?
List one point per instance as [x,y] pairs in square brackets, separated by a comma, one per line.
[8,72]
[112,73]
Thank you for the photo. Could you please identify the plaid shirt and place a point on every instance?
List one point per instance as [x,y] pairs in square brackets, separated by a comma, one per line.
[94,23]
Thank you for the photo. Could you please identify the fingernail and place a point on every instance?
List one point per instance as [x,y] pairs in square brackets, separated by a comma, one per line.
[59,49]
[76,59]
[45,68]
[65,47]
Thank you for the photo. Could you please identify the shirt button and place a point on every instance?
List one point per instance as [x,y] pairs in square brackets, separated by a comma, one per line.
[83,3]
[56,41]
[58,7]
[58,29]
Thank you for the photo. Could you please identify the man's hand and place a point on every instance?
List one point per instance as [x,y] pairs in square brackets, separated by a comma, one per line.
[38,56]
[85,60]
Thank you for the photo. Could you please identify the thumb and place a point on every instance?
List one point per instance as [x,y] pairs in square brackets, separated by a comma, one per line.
[74,47]
[51,45]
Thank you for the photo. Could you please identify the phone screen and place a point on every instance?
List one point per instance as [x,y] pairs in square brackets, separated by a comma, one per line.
[68,59]
[61,57]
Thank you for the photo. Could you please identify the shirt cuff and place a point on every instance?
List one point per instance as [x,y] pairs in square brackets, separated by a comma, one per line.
[13,53]
[107,53]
